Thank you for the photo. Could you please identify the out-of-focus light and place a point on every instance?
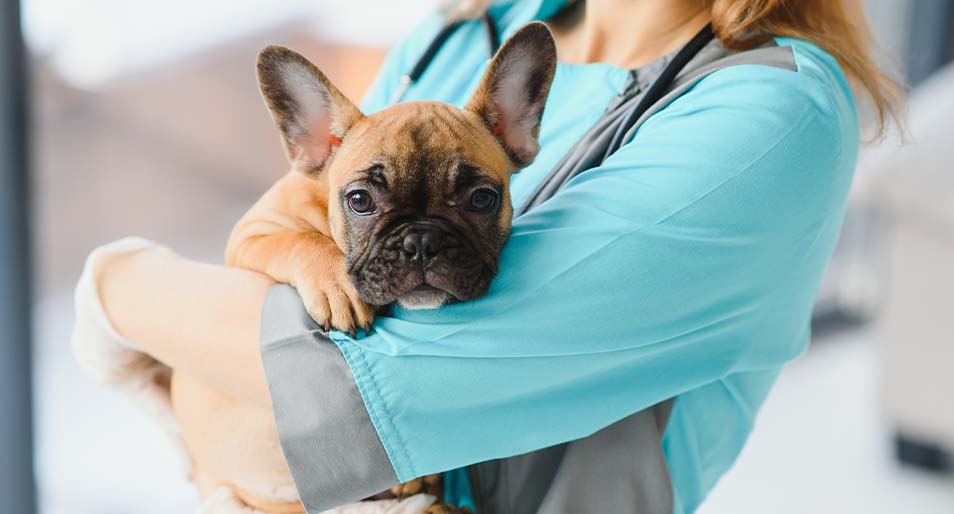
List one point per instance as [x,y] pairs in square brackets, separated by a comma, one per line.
[94,41]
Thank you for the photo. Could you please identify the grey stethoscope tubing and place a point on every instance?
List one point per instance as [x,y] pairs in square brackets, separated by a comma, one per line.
[409,78]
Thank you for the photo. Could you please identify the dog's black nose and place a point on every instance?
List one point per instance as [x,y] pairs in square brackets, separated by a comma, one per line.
[422,242]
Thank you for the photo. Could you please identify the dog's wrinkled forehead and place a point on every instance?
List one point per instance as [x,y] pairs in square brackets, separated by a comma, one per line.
[420,141]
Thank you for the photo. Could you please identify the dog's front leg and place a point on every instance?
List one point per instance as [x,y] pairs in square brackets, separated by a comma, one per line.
[313,264]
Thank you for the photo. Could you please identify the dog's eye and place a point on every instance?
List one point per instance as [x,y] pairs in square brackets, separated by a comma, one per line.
[483,199]
[360,202]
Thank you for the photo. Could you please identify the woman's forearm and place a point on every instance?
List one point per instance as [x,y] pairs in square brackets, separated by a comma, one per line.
[198,318]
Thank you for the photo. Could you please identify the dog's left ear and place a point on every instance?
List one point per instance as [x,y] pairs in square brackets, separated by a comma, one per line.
[312,114]
[514,89]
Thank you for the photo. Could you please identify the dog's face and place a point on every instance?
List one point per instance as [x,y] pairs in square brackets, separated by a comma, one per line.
[421,205]
[418,192]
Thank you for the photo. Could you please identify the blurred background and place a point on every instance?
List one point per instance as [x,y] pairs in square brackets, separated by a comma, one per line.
[144,118]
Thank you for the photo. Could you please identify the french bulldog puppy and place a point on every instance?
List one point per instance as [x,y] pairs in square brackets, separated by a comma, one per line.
[409,205]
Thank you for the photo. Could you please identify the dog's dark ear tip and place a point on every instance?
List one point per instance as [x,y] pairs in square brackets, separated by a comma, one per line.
[535,30]
[538,27]
[273,54]
[537,36]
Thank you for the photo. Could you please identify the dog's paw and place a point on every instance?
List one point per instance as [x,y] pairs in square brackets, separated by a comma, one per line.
[429,484]
[332,301]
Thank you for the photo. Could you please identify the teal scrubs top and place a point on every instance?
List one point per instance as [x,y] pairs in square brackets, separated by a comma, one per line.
[684,266]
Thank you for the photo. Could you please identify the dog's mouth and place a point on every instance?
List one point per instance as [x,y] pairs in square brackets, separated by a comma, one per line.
[424,297]
[398,268]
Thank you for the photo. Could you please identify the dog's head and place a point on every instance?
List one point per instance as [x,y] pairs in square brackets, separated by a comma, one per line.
[418,192]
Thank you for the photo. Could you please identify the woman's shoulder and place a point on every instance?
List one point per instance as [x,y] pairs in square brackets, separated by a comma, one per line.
[807,105]
[752,130]
[815,85]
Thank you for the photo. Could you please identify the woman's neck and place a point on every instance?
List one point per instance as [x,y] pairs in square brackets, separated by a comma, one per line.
[626,33]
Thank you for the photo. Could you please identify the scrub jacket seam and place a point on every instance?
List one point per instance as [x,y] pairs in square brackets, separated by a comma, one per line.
[374,402]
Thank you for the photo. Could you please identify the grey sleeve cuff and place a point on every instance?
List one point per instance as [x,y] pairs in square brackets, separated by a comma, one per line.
[326,435]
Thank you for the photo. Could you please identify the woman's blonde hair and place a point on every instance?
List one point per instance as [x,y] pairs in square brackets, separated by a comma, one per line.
[838,26]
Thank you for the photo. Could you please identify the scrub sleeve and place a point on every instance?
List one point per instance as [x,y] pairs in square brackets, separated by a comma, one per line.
[314,392]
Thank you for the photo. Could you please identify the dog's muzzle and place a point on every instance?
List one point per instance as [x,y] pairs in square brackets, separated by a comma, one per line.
[423,264]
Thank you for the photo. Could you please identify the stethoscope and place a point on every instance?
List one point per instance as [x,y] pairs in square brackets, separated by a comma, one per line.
[409,78]
[656,90]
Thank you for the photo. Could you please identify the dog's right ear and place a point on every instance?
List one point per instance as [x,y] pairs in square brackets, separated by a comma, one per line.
[312,114]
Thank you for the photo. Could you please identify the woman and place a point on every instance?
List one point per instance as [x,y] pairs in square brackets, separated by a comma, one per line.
[683,266]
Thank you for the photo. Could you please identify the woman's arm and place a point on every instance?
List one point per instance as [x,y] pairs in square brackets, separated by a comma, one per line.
[199,318]
[685,265]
